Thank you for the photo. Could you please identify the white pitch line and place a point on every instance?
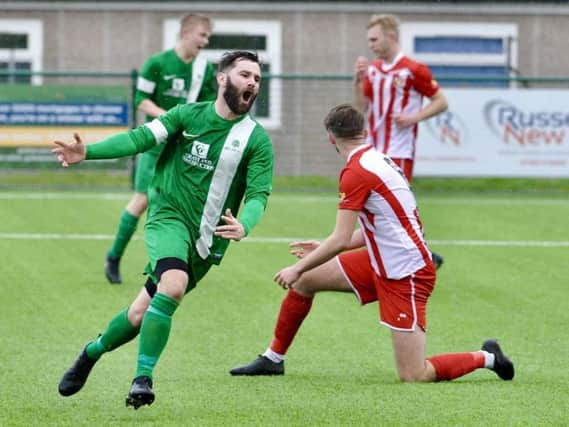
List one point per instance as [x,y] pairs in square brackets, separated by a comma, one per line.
[505,243]
[307,198]
[56,236]
[508,243]
[65,196]
[494,202]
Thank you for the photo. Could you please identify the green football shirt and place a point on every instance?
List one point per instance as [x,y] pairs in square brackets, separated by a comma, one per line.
[168,81]
[208,165]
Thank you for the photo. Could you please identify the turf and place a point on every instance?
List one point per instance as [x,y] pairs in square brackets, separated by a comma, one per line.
[340,370]
[83,180]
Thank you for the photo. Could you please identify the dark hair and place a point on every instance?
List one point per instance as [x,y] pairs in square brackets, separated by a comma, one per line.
[229,59]
[345,121]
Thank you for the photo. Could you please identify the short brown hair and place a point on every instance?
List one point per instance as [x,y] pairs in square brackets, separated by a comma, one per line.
[345,121]
[192,19]
[387,23]
[229,59]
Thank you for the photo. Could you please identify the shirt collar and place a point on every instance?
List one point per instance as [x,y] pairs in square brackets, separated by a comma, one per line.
[357,150]
[393,63]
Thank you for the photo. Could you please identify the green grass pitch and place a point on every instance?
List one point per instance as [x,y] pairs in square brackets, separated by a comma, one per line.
[506,275]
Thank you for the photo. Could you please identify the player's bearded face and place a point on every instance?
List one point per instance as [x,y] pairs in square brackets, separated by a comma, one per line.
[239,101]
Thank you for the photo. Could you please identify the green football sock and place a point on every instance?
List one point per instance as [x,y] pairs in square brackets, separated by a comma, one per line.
[154,332]
[127,227]
[119,332]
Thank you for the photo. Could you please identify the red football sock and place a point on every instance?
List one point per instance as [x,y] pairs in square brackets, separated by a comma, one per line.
[294,309]
[454,365]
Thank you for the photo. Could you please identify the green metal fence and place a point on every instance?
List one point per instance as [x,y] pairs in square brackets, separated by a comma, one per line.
[291,107]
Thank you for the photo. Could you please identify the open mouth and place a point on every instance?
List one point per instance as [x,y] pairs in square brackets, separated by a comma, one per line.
[247,95]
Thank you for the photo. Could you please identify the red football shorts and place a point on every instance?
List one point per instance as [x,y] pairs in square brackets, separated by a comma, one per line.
[402,302]
[406,166]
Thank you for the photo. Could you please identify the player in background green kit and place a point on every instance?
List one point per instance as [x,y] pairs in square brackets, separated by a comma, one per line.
[169,78]
[215,155]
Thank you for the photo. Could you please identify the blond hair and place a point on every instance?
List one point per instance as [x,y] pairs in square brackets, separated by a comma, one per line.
[190,20]
[387,23]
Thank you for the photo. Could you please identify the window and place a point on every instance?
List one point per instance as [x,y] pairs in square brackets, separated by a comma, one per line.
[21,49]
[262,37]
[468,49]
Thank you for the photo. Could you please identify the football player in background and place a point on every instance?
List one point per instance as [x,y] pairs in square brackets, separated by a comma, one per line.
[395,266]
[172,77]
[390,91]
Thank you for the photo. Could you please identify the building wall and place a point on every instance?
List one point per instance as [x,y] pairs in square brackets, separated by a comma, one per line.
[317,38]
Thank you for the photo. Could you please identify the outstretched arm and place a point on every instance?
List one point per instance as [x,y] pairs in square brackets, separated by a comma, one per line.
[70,153]
[302,248]
[338,241]
[119,145]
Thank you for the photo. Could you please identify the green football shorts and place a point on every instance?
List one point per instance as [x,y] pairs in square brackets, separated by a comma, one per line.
[170,238]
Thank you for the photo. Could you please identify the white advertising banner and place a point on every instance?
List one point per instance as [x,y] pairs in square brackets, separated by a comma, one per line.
[497,133]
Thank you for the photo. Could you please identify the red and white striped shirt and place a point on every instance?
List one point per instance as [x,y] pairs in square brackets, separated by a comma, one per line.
[391,89]
[373,185]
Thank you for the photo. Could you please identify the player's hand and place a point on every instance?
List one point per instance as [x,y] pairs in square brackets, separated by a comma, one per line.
[303,248]
[232,230]
[287,277]
[404,120]
[360,68]
[69,154]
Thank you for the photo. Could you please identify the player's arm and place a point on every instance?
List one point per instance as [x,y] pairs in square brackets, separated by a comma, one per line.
[237,229]
[438,103]
[360,70]
[148,107]
[302,248]
[357,240]
[259,186]
[354,192]
[337,242]
[138,140]
[259,182]
[146,87]
[121,144]
[115,146]
[426,85]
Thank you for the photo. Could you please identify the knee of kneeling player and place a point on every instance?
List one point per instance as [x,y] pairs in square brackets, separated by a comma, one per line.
[414,376]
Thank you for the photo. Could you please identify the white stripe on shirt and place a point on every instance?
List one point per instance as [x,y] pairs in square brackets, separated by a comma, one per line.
[146,86]
[198,74]
[225,171]
[158,130]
